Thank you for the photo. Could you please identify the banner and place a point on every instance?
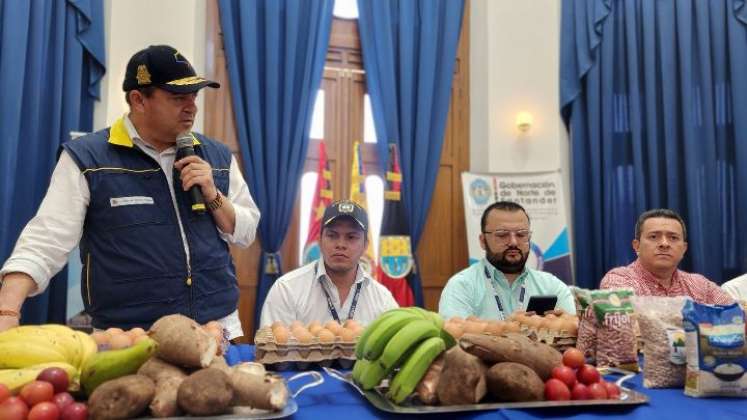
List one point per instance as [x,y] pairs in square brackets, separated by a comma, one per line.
[322,199]
[358,195]
[541,194]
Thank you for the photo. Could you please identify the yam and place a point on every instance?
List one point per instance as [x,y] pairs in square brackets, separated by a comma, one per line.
[462,379]
[219,362]
[427,387]
[183,342]
[121,398]
[511,382]
[513,347]
[167,378]
[206,392]
[266,392]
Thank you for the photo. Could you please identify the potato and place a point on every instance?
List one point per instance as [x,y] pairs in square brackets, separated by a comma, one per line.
[183,342]
[157,369]
[462,379]
[427,387]
[167,378]
[266,392]
[121,398]
[206,392]
[513,347]
[510,381]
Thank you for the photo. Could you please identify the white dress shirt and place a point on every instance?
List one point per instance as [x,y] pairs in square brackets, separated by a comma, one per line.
[45,243]
[737,288]
[298,295]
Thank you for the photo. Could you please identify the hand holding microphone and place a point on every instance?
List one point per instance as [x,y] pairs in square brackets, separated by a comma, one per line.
[195,173]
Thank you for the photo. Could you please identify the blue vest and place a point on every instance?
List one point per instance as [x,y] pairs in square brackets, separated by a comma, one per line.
[134,266]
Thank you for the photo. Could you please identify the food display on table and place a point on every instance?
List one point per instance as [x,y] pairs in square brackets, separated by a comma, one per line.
[299,346]
[174,369]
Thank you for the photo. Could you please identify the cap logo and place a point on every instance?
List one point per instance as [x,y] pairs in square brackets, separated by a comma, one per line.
[143,75]
[345,207]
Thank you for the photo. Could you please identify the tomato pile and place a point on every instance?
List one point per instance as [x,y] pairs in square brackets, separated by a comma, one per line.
[575,380]
[46,398]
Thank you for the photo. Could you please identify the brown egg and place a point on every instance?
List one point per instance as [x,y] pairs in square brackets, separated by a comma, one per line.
[472,318]
[512,326]
[101,338]
[299,330]
[120,341]
[347,334]
[455,329]
[326,336]
[495,328]
[296,323]
[281,335]
[303,336]
[314,329]
[278,324]
[351,323]
[570,326]
[114,331]
[313,323]
[357,331]
[333,326]
[474,327]
[456,319]
[139,339]
[534,321]
[136,332]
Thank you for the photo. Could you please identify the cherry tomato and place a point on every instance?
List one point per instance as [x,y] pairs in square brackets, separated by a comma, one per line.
[565,374]
[556,390]
[46,410]
[613,391]
[4,392]
[580,392]
[598,391]
[13,408]
[588,375]
[38,391]
[75,411]
[573,358]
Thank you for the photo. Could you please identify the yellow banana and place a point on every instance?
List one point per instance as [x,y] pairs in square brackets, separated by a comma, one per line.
[68,336]
[88,347]
[62,340]
[15,379]
[19,354]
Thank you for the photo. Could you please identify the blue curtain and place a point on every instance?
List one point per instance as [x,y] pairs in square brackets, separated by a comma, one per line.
[51,62]
[275,51]
[409,51]
[653,93]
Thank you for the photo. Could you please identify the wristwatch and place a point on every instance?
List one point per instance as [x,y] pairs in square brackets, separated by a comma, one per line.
[216,203]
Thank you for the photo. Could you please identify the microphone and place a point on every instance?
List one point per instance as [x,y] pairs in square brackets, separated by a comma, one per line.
[184,148]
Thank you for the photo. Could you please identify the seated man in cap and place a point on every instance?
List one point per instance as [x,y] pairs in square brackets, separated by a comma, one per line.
[660,243]
[154,223]
[501,283]
[335,287]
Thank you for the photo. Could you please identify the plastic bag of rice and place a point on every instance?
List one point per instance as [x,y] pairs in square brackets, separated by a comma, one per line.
[660,321]
[716,350]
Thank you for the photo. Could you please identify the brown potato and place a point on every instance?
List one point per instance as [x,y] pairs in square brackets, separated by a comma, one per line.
[121,398]
[206,392]
[511,382]
[462,379]
[513,347]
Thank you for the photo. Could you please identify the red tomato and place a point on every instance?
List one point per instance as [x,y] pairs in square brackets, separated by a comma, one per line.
[55,376]
[565,374]
[38,391]
[598,391]
[44,411]
[580,392]
[13,408]
[613,391]
[4,392]
[63,399]
[573,358]
[556,390]
[588,375]
[75,411]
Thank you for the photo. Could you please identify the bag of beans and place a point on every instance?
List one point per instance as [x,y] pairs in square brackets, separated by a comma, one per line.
[616,343]
[716,350]
[660,321]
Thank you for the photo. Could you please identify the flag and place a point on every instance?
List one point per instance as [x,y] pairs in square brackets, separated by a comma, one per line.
[395,268]
[358,195]
[322,199]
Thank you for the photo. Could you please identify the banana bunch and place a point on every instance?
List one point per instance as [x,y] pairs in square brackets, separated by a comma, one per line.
[27,350]
[405,338]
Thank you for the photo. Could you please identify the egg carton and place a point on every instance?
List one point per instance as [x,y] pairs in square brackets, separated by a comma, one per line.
[295,355]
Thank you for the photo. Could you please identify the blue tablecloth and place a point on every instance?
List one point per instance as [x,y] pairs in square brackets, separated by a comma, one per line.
[335,399]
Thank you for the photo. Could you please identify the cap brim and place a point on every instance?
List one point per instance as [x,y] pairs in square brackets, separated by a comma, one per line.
[193,85]
[348,216]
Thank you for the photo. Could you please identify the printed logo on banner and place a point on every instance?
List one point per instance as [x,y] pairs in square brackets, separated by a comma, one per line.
[536,258]
[479,190]
[311,252]
[396,257]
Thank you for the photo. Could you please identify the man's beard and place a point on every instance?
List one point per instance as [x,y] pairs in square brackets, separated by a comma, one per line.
[499,261]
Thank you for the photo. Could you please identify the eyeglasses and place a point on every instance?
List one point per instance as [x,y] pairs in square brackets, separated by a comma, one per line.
[501,235]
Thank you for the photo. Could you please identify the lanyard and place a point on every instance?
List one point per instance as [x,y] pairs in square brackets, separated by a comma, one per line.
[331,306]
[498,302]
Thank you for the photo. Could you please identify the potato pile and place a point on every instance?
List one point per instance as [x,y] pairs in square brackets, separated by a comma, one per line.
[329,332]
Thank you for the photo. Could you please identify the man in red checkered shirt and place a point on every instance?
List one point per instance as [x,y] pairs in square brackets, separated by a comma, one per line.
[660,243]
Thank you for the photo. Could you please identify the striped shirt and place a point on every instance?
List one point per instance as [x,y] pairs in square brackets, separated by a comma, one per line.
[644,283]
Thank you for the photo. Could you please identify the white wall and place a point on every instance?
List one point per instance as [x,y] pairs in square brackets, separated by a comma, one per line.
[514,61]
[133,25]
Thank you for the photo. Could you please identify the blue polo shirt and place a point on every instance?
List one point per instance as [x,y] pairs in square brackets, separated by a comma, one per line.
[480,288]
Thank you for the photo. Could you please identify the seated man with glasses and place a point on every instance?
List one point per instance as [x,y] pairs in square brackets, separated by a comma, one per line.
[660,243]
[500,283]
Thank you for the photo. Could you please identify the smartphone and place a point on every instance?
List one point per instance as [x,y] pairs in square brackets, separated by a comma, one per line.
[542,303]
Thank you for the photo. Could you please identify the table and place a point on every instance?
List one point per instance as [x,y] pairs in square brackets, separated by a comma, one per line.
[337,400]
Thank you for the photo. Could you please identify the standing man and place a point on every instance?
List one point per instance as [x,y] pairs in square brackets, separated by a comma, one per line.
[660,243]
[335,287]
[500,283]
[147,248]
